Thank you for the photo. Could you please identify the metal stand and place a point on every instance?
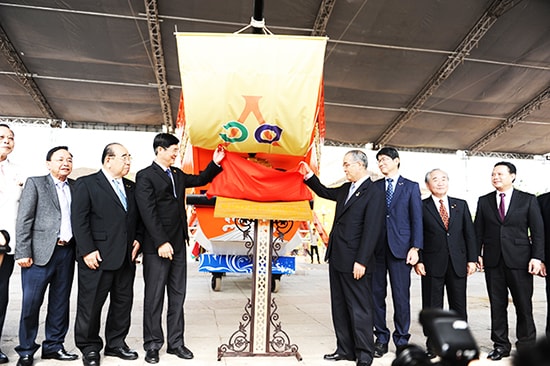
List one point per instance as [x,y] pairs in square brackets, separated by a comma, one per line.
[260,332]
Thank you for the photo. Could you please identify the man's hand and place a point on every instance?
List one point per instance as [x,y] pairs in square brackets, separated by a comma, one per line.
[135,250]
[471,268]
[93,259]
[542,272]
[412,256]
[304,169]
[535,266]
[166,250]
[480,263]
[24,262]
[219,154]
[358,270]
[420,269]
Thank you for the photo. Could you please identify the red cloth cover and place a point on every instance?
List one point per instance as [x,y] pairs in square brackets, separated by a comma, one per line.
[251,181]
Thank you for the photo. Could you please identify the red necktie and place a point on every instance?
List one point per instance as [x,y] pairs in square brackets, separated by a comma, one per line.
[501,208]
[443,213]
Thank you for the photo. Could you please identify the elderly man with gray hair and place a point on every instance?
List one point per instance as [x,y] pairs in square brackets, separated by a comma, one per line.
[449,255]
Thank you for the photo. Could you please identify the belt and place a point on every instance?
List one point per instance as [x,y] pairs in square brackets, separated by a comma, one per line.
[62,243]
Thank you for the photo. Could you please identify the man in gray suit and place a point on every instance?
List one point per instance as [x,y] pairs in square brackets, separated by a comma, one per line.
[45,251]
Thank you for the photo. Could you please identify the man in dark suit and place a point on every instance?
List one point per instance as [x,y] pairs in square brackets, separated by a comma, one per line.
[510,235]
[450,249]
[396,252]
[45,252]
[358,224]
[161,200]
[544,203]
[106,226]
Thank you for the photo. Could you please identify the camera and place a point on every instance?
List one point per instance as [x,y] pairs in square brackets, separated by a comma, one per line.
[450,337]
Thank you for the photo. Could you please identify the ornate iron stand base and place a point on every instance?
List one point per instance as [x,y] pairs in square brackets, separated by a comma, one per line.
[254,336]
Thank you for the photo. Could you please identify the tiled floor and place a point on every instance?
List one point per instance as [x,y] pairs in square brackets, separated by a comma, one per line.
[303,306]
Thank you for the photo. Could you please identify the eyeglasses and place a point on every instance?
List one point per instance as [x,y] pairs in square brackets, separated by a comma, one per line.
[384,159]
[347,165]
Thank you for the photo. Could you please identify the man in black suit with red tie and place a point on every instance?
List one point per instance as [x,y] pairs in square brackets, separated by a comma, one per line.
[358,225]
[449,254]
[105,222]
[544,203]
[510,235]
[161,200]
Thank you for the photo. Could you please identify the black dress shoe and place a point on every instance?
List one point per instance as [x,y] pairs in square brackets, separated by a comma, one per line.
[26,360]
[124,353]
[498,354]
[181,352]
[364,363]
[60,355]
[337,357]
[380,349]
[3,357]
[152,356]
[91,358]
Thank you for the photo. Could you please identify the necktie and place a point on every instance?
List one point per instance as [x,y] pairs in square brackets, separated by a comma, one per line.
[501,208]
[65,231]
[169,173]
[351,190]
[120,193]
[443,213]
[389,191]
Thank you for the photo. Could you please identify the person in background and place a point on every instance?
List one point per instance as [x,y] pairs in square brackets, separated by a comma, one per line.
[314,245]
[11,186]
[449,254]
[396,252]
[160,195]
[510,236]
[45,252]
[357,228]
[107,228]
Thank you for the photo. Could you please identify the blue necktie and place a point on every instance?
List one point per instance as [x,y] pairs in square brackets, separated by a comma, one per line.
[350,193]
[169,172]
[120,193]
[389,192]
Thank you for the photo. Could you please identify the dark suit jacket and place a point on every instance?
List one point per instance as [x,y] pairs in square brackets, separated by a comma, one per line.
[358,224]
[403,217]
[163,214]
[458,242]
[518,238]
[38,219]
[100,222]
[544,203]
